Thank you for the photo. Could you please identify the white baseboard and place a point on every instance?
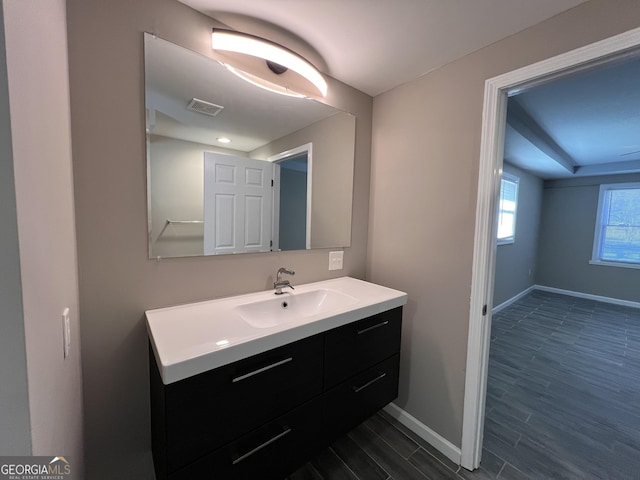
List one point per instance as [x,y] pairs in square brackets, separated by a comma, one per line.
[440,443]
[571,293]
[513,299]
[589,296]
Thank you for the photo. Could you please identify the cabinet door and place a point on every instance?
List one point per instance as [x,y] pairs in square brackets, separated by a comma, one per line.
[270,452]
[355,400]
[355,347]
[209,410]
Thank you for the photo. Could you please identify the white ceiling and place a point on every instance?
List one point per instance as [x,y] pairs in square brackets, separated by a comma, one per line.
[589,120]
[375,45]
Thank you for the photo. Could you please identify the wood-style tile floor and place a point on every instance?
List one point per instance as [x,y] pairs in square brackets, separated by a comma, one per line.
[563,402]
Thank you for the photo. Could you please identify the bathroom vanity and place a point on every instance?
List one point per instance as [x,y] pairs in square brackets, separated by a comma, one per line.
[231,401]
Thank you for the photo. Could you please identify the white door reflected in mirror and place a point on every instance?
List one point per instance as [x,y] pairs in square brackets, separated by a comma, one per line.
[238,200]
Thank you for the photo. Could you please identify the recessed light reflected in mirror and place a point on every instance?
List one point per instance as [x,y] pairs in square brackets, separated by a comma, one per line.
[223,140]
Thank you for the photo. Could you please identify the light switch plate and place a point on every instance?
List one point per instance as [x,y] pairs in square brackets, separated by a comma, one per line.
[335,260]
[66,332]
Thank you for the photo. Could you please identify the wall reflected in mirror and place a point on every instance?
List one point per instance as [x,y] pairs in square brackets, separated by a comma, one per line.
[283,179]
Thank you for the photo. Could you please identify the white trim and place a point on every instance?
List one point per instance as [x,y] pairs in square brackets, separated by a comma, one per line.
[275,210]
[434,439]
[604,199]
[508,177]
[589,296]
[571,293]
[506,241]
[484,250]
[493,125]
[605,263]
[513,299]
[597,234]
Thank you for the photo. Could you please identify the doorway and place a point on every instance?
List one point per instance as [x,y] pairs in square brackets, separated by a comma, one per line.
[292,194]
[292,227]
[497,91]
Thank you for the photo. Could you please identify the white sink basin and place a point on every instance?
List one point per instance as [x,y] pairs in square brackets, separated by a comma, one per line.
[197,337]
[290,307]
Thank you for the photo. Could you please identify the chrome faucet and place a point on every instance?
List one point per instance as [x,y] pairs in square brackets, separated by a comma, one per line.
[279,284]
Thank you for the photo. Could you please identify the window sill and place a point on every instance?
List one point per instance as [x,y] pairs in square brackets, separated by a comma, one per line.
[605,263]
[507,241]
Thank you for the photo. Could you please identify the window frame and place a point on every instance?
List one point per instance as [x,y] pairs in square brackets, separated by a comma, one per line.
[509,177]
[603,203]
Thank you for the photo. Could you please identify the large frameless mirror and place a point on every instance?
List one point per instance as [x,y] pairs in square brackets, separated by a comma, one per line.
[233,168]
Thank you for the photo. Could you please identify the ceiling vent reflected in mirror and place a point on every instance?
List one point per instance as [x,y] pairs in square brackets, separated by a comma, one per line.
[206,108]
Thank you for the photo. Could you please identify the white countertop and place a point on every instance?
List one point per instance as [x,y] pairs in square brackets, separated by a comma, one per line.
[194,338]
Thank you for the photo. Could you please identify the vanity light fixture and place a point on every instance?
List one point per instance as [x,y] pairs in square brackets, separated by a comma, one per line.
[267,64]
[264,84]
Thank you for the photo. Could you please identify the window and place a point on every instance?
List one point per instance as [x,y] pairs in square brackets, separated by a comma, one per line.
[617,237]
[507,209]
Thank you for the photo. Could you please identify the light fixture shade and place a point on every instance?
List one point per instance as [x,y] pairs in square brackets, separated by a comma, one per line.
[240,51]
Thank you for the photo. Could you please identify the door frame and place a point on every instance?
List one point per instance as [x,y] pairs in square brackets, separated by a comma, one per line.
[494,113]
[280,157]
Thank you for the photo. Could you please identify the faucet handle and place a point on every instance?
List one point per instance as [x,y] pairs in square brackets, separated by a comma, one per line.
[279,284]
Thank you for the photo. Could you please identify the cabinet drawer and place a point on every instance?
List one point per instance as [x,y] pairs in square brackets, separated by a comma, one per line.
[207,411]
[355,347]
[269,452]
[355,400]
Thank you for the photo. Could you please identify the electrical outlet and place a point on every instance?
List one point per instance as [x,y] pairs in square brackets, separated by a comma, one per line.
[335,260]
[66,332]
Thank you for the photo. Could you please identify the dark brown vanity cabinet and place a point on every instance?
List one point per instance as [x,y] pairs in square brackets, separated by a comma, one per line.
[361,363]
[264,416]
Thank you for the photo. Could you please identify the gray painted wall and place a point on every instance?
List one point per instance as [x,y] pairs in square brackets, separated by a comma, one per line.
[566,241]
[38,81]
[117,280]
[424,176]
[516,262]
[15,426]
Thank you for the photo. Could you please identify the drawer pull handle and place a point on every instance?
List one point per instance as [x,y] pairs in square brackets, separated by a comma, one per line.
[365,330]
[370,382]
[260,447]
[260,370]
